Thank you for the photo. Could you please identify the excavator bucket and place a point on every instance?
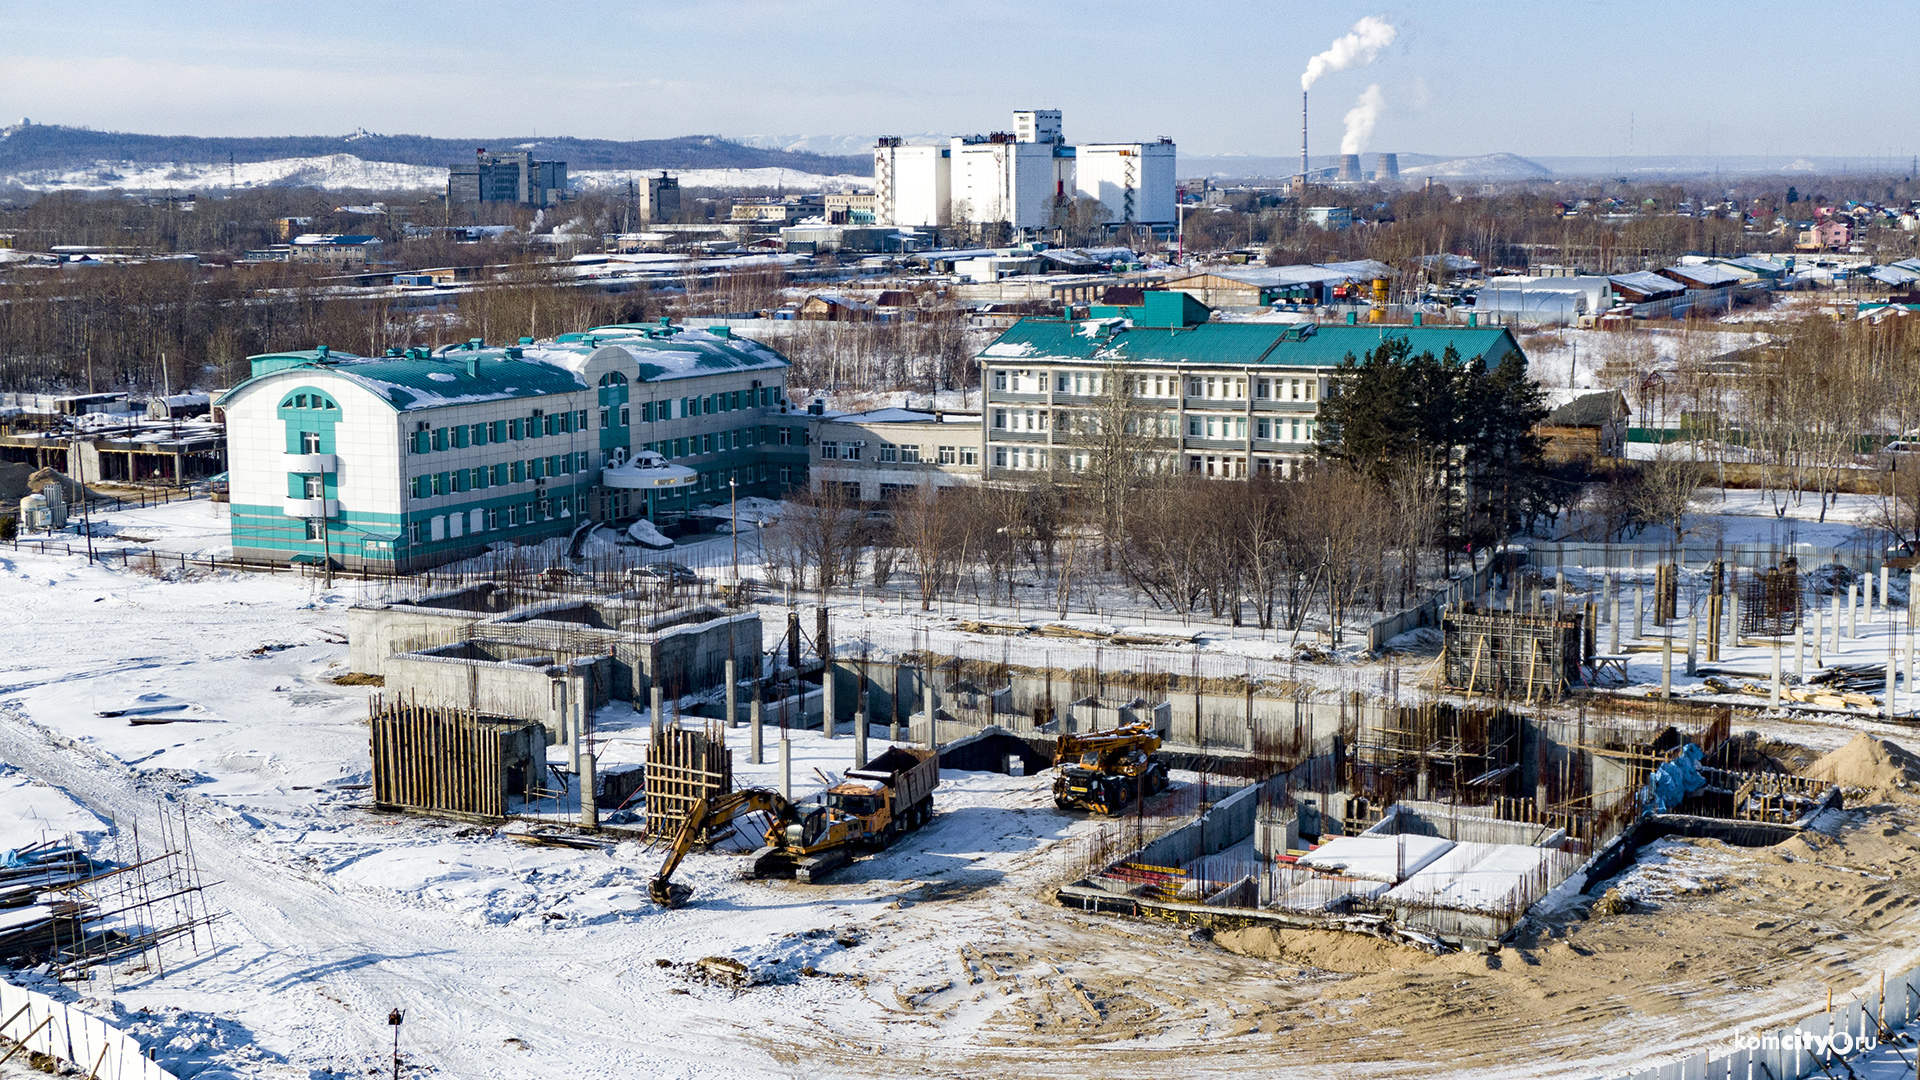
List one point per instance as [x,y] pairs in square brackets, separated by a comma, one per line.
[669,894]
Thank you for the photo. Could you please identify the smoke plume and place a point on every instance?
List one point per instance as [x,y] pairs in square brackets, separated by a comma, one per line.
[1361,118]
[1357,48]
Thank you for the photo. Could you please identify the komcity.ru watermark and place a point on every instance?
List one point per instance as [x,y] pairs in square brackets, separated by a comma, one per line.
[1839,1042]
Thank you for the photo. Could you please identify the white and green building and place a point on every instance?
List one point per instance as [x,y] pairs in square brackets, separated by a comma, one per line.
[415,458]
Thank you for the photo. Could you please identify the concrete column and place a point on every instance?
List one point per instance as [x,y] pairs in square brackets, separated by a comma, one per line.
[1910,665]
[1819,635]
[659,719]
[754,734]
[1613,628]
[1666,665]
[1693,643]
[786,768]
[1606,597]
[1733,618]
[589,805]
[1639,612]
[933,729]
[1853,612]
[1559,590]
[733,694]
[1893,670]
[1800,653]
[1836,621]
[860,735]
[826,699]
[1775,696]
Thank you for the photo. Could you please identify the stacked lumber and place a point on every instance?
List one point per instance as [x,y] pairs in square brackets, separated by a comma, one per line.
[32,921]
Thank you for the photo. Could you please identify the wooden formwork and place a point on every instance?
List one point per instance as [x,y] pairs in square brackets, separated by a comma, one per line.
[683,767]
[1512,654]
[440,760]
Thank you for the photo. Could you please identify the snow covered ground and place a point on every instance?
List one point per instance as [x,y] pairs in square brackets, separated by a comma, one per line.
[335,171]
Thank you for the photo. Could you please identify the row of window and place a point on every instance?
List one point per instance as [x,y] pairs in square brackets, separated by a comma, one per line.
[499,474]
[1226,387]
[461,436]
[465,522]
[898,453]
[1294,429]
[714,442]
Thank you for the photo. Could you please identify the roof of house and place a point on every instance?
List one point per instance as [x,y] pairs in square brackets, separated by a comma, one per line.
[1291,344]
[1589,410]
[329,239]
[1646,281]
[1703,275]
[1274,277]
[462,374]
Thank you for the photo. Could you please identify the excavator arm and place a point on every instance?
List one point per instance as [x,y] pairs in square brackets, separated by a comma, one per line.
[709,814]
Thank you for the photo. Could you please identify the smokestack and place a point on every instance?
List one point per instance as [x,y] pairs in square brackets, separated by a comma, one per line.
[1303,135]
[1388,168]
[1350,167]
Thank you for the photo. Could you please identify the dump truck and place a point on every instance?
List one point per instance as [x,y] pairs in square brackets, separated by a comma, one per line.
[1103,771]
[867,810]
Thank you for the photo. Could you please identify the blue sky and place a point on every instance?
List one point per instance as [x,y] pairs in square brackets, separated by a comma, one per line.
[1539,78]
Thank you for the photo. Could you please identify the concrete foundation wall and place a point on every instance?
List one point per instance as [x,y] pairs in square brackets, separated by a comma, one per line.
[501,687]
[375,634]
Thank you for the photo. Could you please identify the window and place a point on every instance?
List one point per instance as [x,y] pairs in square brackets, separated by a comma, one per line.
[946,455]
[1296,431]
[1000,419]
[513,514]
[829,450]
[626,416]
[603,419]
[513,429]
[760,471]
[458,437]
[309,442]
[646,413]
[1296,389]
[1239,427]
[786,436]
[1193,426]
[1311,383]
[999,379]
[853,451]
[1193,463]
[418,532]
[999,457]
[459,480]
[969,456]
[317,529]
[1263,388]
[439,438]
[910,454]
[418,489]
[580,420]
[786,474]
[477,478]
[315,486]
[889,452]
[706,443]
[1263,429]
[517,471]
[498,474]
[548,424]
[1213,387]
[1195,387]
[437,484]
[493,520]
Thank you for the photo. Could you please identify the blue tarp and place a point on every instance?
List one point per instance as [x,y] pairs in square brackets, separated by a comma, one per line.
[1673,782]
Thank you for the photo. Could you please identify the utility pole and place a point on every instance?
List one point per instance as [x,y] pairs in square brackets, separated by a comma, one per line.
[393,1020]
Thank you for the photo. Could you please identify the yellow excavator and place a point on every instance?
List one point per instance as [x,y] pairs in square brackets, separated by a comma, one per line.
[869,809]
[1102,771]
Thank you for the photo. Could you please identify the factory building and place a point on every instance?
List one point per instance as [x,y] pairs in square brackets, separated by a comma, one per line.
[406,461]
[1017,178]
[508,178]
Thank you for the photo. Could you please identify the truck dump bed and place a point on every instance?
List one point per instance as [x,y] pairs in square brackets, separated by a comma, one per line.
[912,773]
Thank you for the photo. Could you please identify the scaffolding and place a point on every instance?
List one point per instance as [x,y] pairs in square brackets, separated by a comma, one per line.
[1770,602]
[684,766]
[1511,654]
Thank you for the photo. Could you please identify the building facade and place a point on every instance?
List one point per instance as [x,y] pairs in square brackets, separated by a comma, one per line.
[406,461]
[507,178]
[1207,398]
[877,456]
[1134,181]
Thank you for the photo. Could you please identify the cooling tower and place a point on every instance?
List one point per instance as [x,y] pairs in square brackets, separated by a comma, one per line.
[1388,167]
[1350,167]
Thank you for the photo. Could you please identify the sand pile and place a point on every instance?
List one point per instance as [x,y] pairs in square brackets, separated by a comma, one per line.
[1881,770]
[68,485]
[1326,950]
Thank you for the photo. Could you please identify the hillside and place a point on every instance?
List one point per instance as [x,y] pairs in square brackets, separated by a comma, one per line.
[51,148]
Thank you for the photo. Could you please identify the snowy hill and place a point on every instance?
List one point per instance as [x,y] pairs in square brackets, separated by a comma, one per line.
[1482,167]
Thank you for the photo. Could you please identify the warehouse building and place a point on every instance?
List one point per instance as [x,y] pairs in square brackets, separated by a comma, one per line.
[1211,398]
[413,459]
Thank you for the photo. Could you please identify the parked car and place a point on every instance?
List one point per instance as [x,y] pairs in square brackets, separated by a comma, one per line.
[661,577]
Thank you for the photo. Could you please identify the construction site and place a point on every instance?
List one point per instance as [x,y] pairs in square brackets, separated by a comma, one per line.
[959,845]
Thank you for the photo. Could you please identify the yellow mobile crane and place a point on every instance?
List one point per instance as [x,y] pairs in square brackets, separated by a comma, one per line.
[867,810]
[1103,770]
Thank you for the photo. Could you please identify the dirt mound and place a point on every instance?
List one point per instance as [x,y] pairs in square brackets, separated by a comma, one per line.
[13,483]
[1883,770]
[1327,950]
[68,485]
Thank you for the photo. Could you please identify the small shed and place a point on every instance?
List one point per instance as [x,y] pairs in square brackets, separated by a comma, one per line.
[1590,426]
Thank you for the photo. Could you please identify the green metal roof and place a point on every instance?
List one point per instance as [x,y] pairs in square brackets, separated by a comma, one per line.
[407,383]
[1056,341]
